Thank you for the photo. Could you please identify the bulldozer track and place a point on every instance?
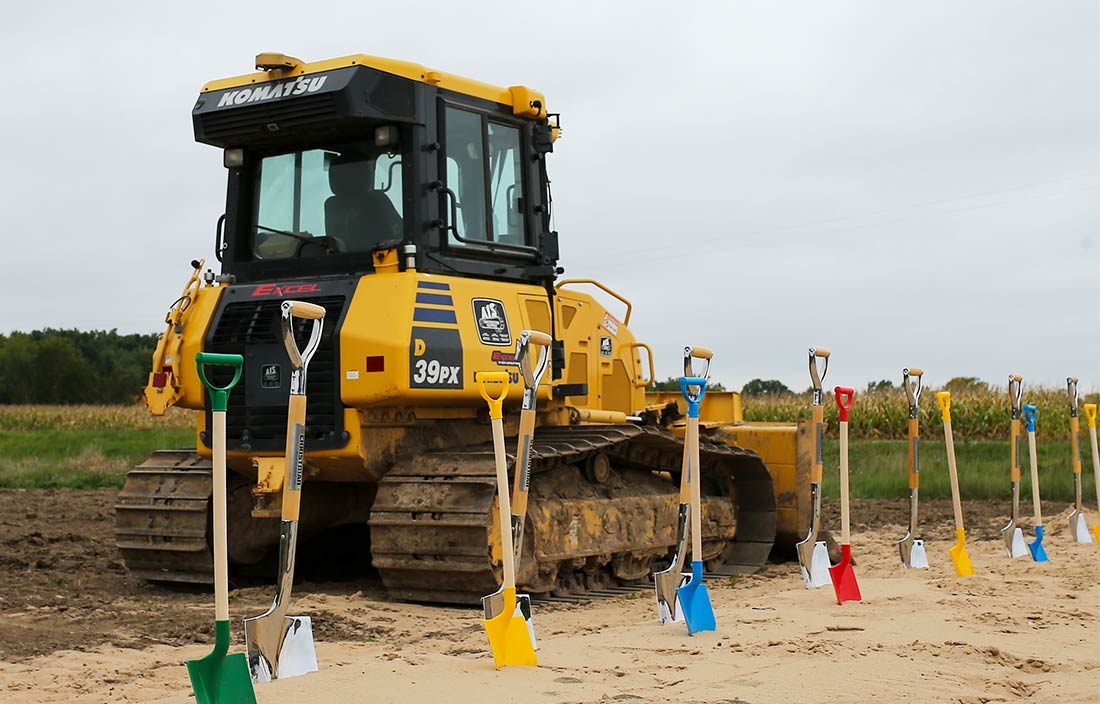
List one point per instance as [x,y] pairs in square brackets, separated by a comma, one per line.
[434,517]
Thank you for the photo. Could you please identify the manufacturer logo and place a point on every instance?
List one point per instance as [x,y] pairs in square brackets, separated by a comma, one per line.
[505,359]
[271,91]
[284,289]
[271,376]
[605,346]
[492,322]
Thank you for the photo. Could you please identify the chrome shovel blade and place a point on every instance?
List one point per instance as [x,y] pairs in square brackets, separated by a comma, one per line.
[278,649]
[918,558]
[1019,547]
[815,567]
[667,581]
[1078,527]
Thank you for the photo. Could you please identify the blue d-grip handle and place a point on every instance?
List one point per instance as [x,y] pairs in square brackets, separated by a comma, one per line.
[693,401]
[1030,412]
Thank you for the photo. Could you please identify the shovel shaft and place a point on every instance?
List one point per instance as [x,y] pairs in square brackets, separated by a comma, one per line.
[221,563]
[507,556]
[696,503]
[1095,463]
[1015,448]
[295,451]
[1034,478]
[956,501]
[914,454]
[522,481]
[845,529]
[819,431]
[685,473]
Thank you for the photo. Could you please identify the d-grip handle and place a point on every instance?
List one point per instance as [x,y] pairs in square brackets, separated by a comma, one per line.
[943,398]
[844,398]
[693,353]
[496,403]
[818,375]
[1030,412]
[1090,414]
[693,399]
[301,309]
[219,395]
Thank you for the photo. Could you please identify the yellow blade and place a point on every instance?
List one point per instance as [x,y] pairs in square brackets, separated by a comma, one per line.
[963,566]
[509,638]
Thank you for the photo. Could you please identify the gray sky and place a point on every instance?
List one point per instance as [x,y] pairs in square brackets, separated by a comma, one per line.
[904,183]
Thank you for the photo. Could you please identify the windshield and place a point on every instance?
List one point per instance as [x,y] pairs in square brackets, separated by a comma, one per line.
[345,198]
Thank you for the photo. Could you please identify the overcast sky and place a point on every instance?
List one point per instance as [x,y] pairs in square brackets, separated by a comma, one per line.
[904,183]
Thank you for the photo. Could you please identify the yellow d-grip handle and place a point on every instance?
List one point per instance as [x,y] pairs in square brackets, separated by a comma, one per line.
[1090,414]
[301,309]
[943,398]
[496,403]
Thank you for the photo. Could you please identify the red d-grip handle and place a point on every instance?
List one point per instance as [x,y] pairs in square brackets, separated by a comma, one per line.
[844,401]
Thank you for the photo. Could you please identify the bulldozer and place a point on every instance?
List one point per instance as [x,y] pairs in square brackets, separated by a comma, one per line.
[415,206]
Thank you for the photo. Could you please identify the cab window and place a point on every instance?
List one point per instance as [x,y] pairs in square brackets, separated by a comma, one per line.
[343,198]
[484,171]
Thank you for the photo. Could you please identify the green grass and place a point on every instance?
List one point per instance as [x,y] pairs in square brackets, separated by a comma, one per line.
[878,470]
[79,459]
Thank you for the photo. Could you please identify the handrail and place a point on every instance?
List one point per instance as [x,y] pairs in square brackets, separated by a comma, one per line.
[622,299]
[642,383]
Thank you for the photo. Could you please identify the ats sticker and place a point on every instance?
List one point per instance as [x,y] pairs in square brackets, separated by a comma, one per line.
[435,359]
[610,324]
[492,322]
[605,346]
[271,376]
[284,289]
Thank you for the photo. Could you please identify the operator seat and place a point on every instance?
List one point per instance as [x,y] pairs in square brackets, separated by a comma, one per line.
[356,215]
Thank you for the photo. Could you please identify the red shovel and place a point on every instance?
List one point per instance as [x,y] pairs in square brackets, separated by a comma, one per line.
[842,574]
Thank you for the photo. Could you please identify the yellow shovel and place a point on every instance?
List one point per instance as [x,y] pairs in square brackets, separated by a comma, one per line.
[963,566]
[509,638]
[1090,414]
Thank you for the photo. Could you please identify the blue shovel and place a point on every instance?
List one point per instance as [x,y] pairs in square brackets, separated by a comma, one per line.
[693,597]
[1037,552]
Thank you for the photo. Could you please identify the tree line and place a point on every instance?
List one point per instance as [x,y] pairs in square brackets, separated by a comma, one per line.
[74,366]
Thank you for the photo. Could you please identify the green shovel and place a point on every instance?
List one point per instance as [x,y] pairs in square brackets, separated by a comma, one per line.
[219,678]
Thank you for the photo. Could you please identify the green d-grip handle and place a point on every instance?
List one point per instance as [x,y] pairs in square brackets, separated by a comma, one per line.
[219,395]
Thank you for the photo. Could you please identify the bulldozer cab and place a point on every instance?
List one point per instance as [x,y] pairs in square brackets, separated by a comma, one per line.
[331,162]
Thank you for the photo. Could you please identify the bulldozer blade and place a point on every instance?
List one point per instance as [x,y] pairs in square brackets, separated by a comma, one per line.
[959,556]
[667,581]
[1078,527]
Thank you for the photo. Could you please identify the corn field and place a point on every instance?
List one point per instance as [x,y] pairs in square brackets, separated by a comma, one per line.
[122,417]
[883,415]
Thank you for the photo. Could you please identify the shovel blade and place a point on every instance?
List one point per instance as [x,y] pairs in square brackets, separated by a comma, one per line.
[509,638]
[1019,547]
[493,605]
[815,565]
[695,602]
[844,577]
[959,557]
[1079,528]
[666,583]
[278,649]
[1037,552]
[1096,533]
[219,678]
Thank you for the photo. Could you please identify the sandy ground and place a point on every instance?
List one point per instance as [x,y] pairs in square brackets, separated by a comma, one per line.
[1016,630]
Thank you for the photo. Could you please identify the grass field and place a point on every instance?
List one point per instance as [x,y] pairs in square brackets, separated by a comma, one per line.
[84,447]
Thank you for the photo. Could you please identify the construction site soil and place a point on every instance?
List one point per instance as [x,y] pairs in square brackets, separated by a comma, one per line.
[65,595]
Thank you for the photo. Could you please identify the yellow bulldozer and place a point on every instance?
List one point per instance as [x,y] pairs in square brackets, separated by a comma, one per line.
[415,206]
